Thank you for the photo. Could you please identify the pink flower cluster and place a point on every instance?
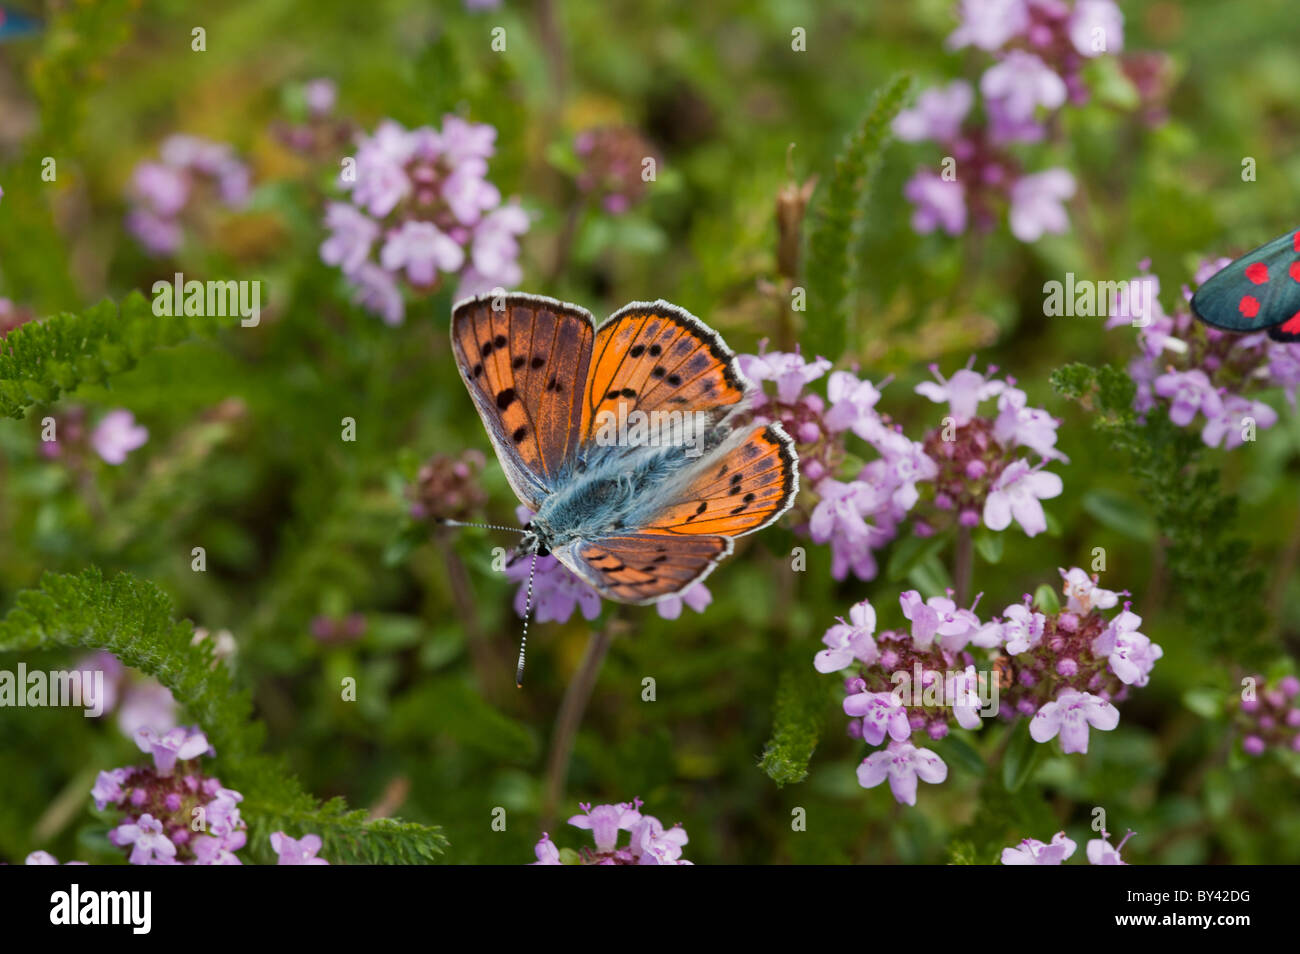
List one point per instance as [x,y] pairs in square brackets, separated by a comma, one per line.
[982,473]
[422,210]
[163,191]
[1198,375]
[174,814]
[1066,669]
[858,514]
[1041,47]
[649,843]
[969,469]
[1031,851]
[1270,717]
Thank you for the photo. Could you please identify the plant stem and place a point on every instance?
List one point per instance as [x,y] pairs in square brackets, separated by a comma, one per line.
[572,708]
[963,564]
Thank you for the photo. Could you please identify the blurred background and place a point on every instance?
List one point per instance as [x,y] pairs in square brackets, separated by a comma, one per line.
[320,563]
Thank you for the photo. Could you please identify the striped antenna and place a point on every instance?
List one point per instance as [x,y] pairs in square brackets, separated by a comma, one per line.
[482,526]
[528,608]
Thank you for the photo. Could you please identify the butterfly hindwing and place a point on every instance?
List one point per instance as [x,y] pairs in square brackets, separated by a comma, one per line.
[654,356]
[522,363]
[745,485]
[644,568]
[1257,291]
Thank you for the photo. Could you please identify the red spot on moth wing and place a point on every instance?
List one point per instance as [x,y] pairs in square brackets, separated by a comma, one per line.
[1250,306]
[1257,273]
[1294,271]
[1292,325]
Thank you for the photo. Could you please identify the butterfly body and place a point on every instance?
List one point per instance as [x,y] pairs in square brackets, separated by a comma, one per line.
[1257,292]
[639,515]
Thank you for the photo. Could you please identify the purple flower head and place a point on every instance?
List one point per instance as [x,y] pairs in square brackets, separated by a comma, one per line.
[1188,393]
[989,24]
[696,596]
[296,852]
[651,844]
[789,370]
[353,233]
[903,764]
[1034,852]
[1016,493]
[1036,204]
[606,821]
[963,391]
[1019,84]
[423,250]
[938,616]
[1130,654]
[937,115]
[117,435]
[849,641]
[546,852]
[1070,714]
[1083,594]
[149,843]
[1096,27]
[1022,629]
[853,405]
[177,744]
[108,787]
[937,202]
[1102,852]
[881,713]
[1022,426]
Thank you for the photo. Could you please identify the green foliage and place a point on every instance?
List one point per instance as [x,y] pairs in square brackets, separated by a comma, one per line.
[133,620]
[1208,561]
[41,360]
[797,723]
[838,222]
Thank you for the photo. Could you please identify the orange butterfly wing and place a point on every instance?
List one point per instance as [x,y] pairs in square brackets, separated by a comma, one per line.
[521,364]
[652,356]
[752,481]
[641,568]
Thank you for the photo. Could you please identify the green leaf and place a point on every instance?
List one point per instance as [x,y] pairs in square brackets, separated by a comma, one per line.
[800,711]
[955,750]
[989,545]
[42,359]
[1045,600]
[840,210]
[1206,703]
[1021,758]
[132,619]
[1119,514]
[913,551]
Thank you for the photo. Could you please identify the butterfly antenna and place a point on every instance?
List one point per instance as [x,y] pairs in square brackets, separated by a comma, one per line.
[446,522]
[528,608]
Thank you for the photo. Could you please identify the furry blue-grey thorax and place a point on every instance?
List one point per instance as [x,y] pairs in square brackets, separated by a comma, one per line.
[608,492]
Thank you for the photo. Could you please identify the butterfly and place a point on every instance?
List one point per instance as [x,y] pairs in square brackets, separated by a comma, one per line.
[638,512]
[1259,290]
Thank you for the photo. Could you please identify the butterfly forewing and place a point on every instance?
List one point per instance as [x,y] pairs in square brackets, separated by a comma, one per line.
[1257,291]
[656,357]
[522,363]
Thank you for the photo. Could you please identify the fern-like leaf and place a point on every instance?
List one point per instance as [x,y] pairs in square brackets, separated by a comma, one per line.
[132,619]
[838,221]
[41,360]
